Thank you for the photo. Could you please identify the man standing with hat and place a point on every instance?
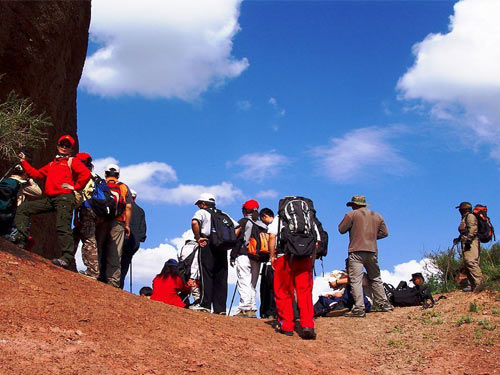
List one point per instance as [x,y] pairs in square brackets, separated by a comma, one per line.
[470,246]
[365,227]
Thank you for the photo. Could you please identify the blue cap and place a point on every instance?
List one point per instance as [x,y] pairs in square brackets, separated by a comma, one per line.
[172,262]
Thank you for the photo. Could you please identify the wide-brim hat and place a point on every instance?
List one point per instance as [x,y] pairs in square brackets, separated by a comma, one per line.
[359,200]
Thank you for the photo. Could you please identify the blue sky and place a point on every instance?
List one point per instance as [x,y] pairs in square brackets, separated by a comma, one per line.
[393,100]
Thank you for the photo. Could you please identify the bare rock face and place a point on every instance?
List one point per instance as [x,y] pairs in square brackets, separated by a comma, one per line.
[43,45]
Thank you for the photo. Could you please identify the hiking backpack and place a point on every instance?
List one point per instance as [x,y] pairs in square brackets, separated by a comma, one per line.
[258,245]
[102,201]
[185,264]
[323,240]
[9,188]
[120,203]
[222,234]
[298,235]
[485,230]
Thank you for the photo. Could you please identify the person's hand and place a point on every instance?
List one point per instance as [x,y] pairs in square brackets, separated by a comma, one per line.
[127,231]
[231,262]
[456,240]
[273,259]
[68,186]
[202,241]
[21,156]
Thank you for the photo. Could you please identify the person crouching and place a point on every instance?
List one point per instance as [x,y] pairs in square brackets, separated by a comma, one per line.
[167,285]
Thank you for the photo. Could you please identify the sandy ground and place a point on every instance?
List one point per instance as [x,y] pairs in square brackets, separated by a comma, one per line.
[58,322]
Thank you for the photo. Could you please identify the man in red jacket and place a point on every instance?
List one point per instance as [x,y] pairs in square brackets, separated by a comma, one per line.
[63,176]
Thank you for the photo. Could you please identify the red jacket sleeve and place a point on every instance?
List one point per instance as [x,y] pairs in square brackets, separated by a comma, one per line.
[33,172]
[181,287]
[82,173]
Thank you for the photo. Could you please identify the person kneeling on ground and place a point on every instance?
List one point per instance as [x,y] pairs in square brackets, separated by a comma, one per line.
[63,176]
[167,285]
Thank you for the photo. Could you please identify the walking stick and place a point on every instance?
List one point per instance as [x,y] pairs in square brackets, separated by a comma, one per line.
[232,299]
[131,276]
[8,171]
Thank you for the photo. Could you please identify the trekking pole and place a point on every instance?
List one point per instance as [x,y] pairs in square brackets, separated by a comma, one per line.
[232,299]
[8,171]
[130,275]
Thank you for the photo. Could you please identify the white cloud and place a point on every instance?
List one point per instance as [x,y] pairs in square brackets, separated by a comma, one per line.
[244,105]
[280,112]
[149,179]
[458,73]
[263,194]
[159,48]
[359,153]
[273,102]
[403,271]
[260,166]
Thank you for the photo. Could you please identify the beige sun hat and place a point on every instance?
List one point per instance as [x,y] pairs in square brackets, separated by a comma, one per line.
[359,200]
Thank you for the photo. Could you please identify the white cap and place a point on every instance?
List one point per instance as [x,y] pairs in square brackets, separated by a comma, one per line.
[205,197]
[336,276]
[112,168]
[133,193]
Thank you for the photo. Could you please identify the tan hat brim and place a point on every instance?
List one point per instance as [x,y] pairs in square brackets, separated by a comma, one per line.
[350,204]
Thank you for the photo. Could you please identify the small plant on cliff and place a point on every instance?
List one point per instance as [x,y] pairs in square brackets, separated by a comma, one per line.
[21,127]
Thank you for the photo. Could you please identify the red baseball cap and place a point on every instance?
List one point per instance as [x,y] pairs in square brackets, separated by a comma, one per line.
[251,205]
[83,156]
[68,138]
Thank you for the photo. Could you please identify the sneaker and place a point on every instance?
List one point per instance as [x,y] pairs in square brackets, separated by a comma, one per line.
[60,262]
[286,333]
[221,313]
[355,314]
[246,314]
[308,333]
[198,307]
[388,308]
[467,290]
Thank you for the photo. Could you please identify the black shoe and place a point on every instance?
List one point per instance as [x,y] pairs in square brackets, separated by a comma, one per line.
[308,333]
[286,333]
[61,263]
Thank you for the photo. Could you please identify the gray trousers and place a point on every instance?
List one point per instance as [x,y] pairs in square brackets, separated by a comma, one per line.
[110,236]
[368,260]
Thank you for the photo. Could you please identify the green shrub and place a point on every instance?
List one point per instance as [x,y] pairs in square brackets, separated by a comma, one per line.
[464,319]
[473,307]
[21,127]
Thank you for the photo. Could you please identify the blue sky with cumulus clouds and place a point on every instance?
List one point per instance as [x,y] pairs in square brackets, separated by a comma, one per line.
[394,100]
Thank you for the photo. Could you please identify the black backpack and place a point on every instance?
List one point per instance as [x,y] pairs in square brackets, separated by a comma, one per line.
[298,236]
[485,230]
[9,188]
[404,296]
[222,234]
[323,240]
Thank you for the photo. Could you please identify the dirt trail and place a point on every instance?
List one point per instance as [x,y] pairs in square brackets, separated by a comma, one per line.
[58,322]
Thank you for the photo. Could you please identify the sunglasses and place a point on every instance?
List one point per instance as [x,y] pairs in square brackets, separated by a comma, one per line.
[64,145]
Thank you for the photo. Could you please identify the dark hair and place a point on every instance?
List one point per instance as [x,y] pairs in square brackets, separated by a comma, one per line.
[111,174]
[168,270]
[146,291]
[266,211]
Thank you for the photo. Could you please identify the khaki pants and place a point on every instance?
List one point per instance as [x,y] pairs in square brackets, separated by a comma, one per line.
[471,258]
[368,260]
[85,231]
[110,236]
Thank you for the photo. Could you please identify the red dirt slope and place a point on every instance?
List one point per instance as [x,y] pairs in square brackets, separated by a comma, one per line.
[58,322]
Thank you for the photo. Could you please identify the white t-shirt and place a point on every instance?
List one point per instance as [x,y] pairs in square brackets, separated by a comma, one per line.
[204,218]
[273,227]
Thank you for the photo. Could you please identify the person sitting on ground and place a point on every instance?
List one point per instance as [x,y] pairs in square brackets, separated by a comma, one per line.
[267,304]
[63,176]
[167,285]
[26,188]
[146,291]
[340,300]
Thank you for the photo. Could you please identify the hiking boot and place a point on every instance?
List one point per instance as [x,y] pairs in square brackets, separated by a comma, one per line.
[467,290]
[61,263]
[286,333]
[221,313]
[388,308]
[355,314]
[337,312]
[246,314]
[479,288]
[17,239]
[87,274]
[198,307]
[308,333]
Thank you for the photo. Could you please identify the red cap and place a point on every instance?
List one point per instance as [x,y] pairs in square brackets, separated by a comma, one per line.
[251,205]
[68,138]
[83,156]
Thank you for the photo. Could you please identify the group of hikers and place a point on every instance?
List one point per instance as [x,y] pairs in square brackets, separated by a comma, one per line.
[103,212]
[280,248]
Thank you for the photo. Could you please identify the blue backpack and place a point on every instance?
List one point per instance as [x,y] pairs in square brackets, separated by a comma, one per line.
[8,198]
[102,201]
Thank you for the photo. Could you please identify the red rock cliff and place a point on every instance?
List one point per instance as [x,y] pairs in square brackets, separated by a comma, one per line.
[43,45]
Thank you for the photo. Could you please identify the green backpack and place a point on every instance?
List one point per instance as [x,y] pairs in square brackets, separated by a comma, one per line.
[9,188]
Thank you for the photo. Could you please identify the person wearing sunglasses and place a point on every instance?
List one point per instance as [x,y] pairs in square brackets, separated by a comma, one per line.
[62,176]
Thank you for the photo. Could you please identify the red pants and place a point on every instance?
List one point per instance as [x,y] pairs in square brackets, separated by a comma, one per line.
[293,275]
